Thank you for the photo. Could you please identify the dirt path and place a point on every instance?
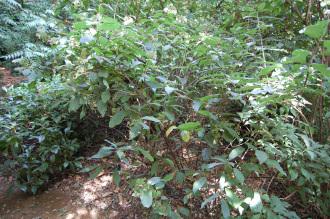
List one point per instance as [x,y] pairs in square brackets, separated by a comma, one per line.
[6,79]
[53,203]
[76,197]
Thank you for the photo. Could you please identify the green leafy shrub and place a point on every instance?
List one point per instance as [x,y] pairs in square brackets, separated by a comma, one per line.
[212,97]
[36,133]
[205,109]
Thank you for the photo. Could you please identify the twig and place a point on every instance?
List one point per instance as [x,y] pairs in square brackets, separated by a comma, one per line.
[308,14]
[272,179]
[261,42]
[295,8]
[319,9]
[289,196]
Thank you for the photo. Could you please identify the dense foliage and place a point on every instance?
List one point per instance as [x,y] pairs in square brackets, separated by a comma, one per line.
[26,30]
[214,97]
[36,133]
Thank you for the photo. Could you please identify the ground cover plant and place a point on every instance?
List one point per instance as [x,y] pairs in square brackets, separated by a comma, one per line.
[222,106]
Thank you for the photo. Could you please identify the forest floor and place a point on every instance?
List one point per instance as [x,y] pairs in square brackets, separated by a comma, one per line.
[6,79]
[75,195]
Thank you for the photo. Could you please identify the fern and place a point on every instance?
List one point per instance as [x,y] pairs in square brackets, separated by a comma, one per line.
[12,4]
[13,55]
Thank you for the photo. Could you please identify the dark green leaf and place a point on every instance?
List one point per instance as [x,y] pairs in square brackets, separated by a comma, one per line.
[239,175]
[317,30]
[116,177]
[117,119]
[189,126]
[236,152]
[103,152]
[225,209]
[152,119]
[146,198]
[199,184]
[261,156]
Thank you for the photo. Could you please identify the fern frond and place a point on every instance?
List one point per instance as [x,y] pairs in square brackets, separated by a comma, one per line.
[37,22]
[13,55]
[8,21]
[12,4]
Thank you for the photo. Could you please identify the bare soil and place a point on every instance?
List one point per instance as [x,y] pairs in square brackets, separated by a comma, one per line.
[76,197]
[7,79]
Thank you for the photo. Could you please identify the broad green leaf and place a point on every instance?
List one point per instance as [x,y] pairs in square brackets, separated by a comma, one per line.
[170,116]
[169,177]
[189,126]
[323,69]
[135,130]
[236,152]
[94,173]
[146,198]
[225,209]
[196,105]
[86,39]
[105,96]
[239,175]
[154,168]
[169,130]
[146,154]
[275,164]
[102,107]
[180,177]
[117,119]
[82,114]
[233,198]
[209,199]
[326,45]
[184,211]
[103,152]
[116,177]
[299,56]
[74,104]
[199,184]
[211,165]
[261,156]
[169,90]
[207,114]
[154,180]
[88,169]
[185,136]
[152,119]
[108,24]
[267,70]
[169,162]
[317,30]
[256,203]
[307,174]
[230,130]
[293,174]
[80,25]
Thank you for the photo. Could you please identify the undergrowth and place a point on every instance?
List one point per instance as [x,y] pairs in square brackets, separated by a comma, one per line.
[211,96]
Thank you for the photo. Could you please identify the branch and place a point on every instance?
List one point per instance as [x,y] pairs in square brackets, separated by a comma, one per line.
[296,9]
[319,9]
[309,13]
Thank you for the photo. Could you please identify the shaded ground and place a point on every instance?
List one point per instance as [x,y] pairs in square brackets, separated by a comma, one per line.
[6,79]
[74,197]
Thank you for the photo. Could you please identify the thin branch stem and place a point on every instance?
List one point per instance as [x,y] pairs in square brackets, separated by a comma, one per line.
[261,42]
